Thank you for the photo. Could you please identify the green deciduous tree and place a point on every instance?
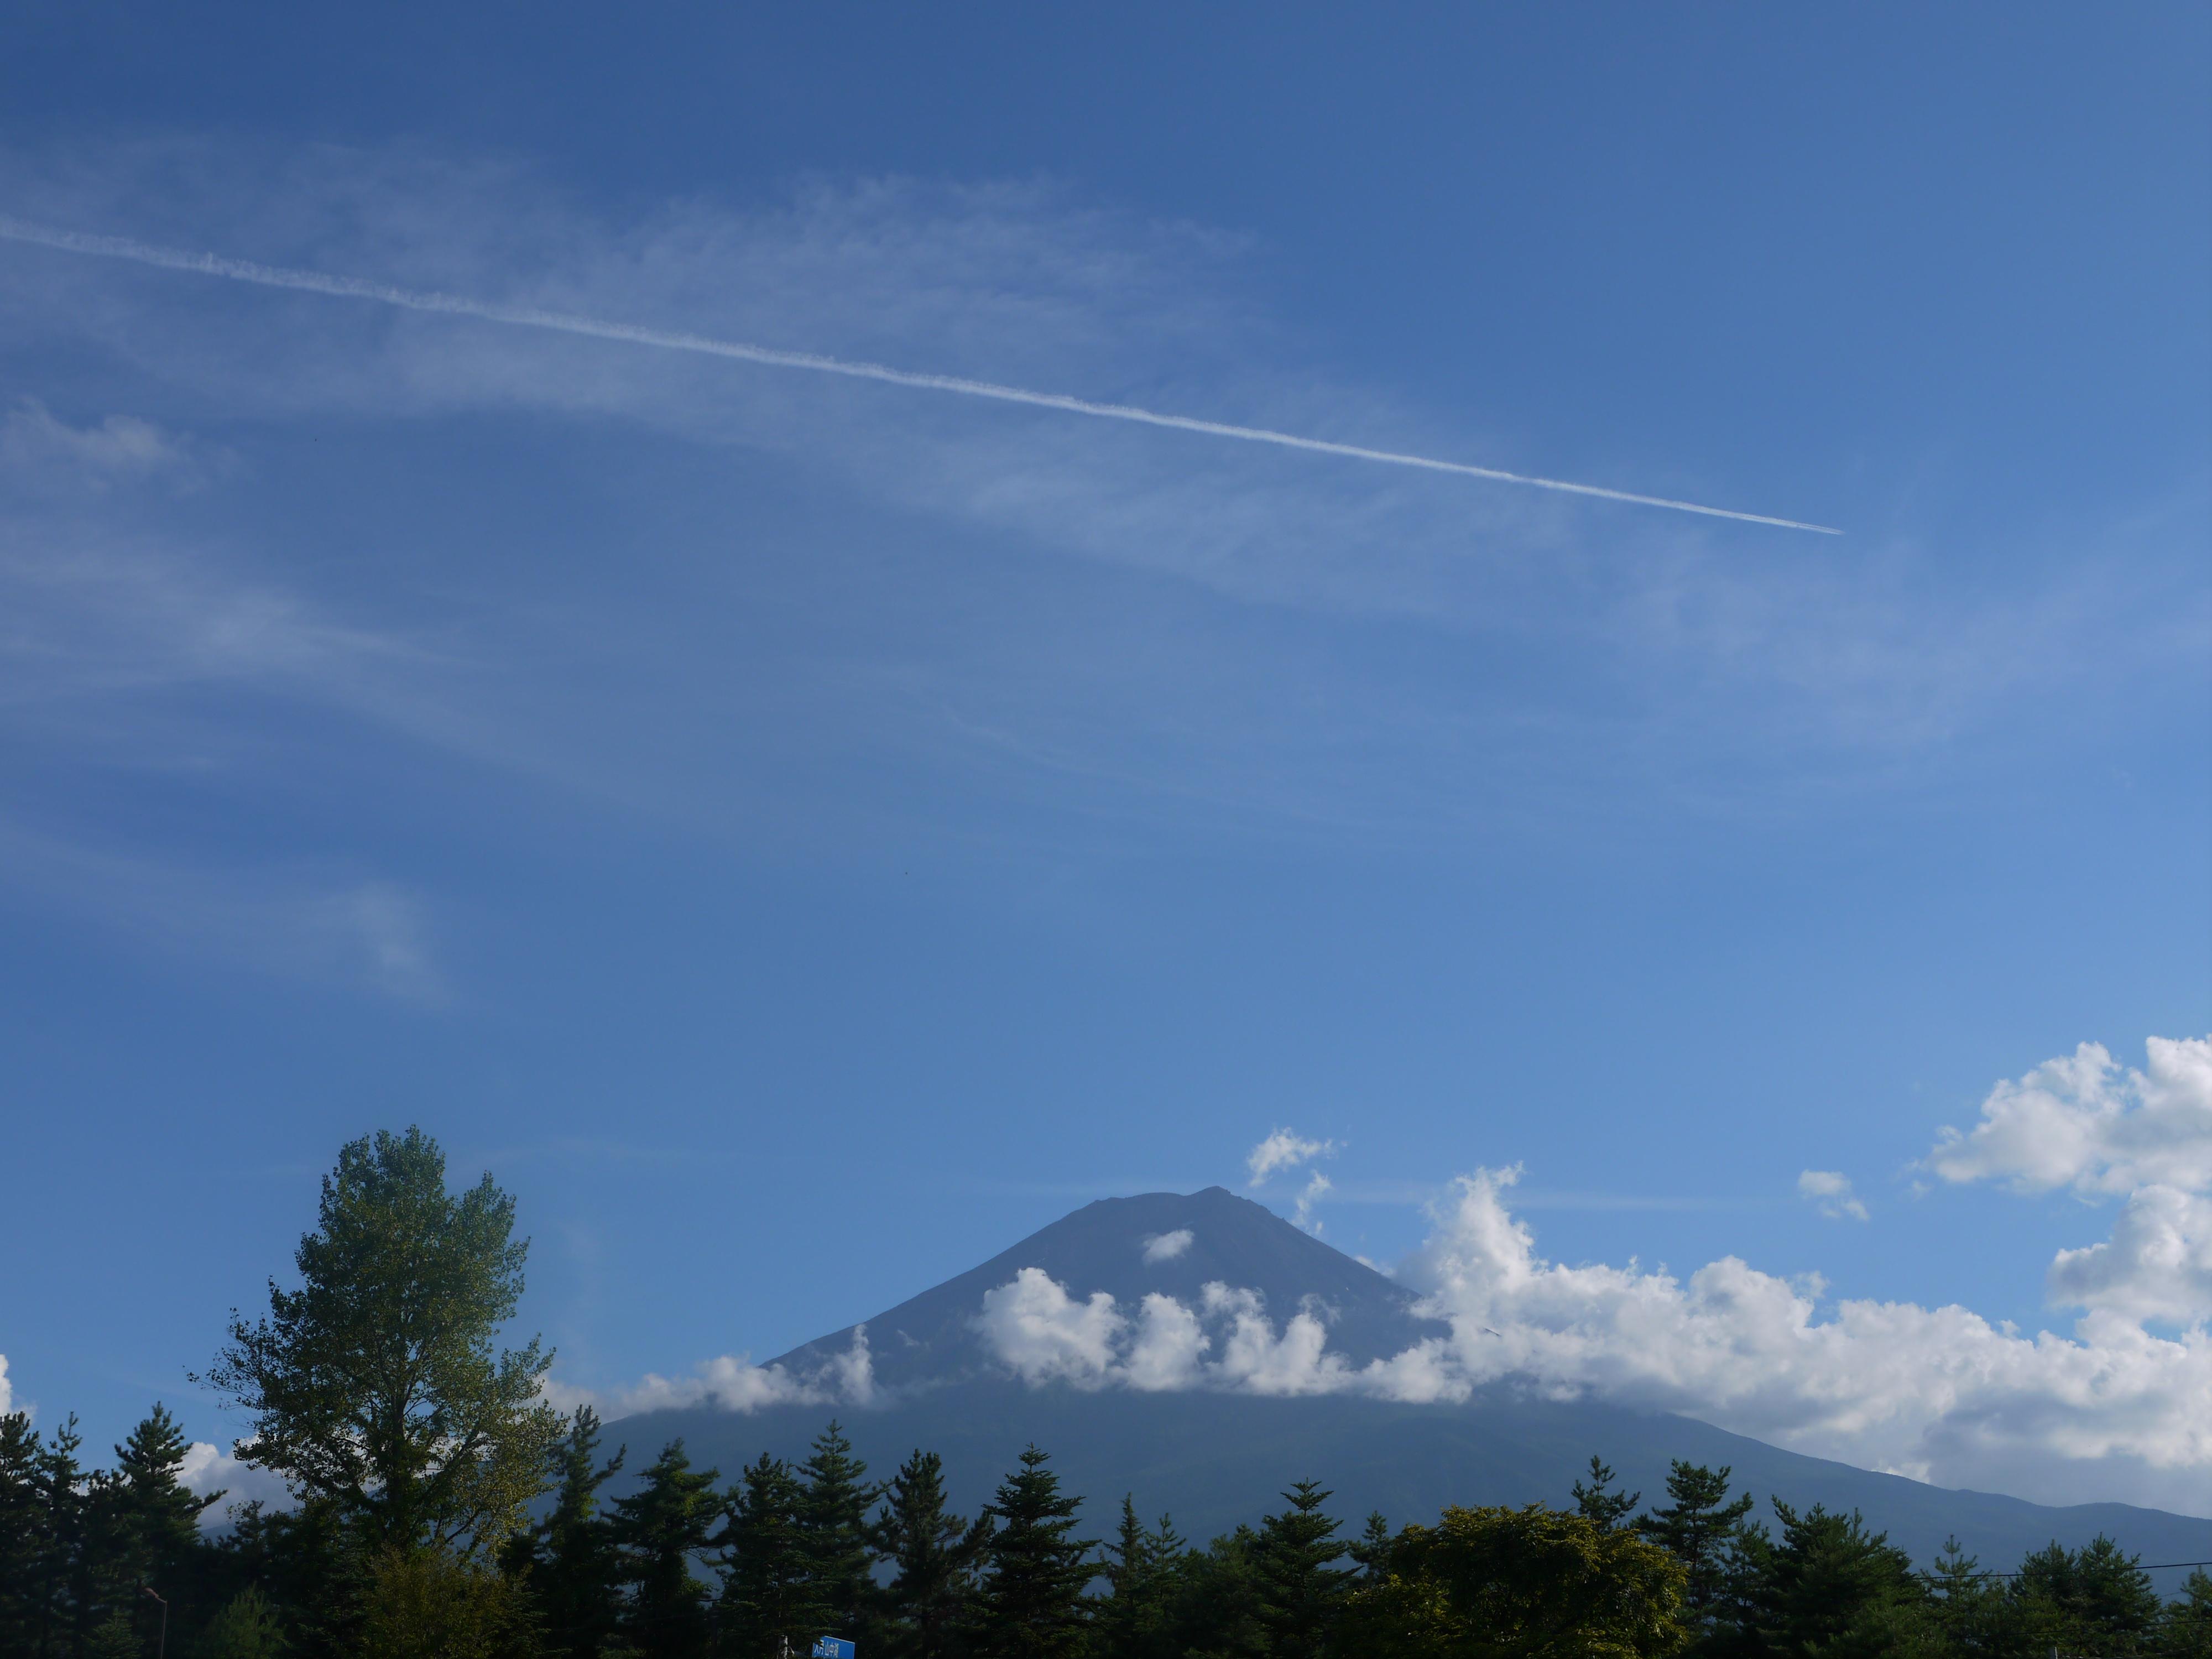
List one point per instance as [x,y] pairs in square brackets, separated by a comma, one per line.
[246,1628]
[425,1604]
[1031,1604]
[375,1385]
[1502,1584]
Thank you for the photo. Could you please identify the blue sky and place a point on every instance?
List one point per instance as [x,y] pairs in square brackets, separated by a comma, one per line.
[803,835]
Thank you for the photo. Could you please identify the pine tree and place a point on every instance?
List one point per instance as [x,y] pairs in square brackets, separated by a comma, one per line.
[65,1597]
[1372,1551]
[22,1531]
[1135,1620]
[659,1527]
[2185,1631]
[2097,1598]
[834,1528]
[1297,1583]
[1698,1529]
[155,1521]
[1598,1504]
[569,1559]
[932,1554]
[1831,1587]
[768,1607]
[1031,1605]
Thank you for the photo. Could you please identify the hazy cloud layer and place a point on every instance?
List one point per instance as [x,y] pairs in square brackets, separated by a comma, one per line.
[733,1384]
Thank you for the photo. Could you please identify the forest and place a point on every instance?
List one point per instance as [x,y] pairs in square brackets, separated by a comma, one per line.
[440,1506]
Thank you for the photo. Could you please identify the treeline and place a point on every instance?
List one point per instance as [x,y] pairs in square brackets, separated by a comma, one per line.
[682,1568]
[441,1510]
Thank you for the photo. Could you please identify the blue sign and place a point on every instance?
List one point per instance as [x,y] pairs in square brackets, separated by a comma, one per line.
[832,1647]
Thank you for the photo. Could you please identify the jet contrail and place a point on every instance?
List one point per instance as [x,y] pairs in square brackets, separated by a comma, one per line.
[453,305]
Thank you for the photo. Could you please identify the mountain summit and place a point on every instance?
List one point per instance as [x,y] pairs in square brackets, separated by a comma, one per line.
[1173,1244]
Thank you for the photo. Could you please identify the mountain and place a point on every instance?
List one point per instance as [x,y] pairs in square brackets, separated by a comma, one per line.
[1116,1246]
[1214,1459]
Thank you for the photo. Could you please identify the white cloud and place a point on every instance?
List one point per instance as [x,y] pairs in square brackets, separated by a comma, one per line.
[1284,1149]
[1166,1247]
[733,1383]
[1939,1393]
[208,1469]
[2082,1121]
[1302,1213]
[1034,1326]
[1832,1191]
[7,1389]
[2157,1264]
[41,451]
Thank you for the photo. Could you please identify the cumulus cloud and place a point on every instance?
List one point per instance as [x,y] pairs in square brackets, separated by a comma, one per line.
[208,1469]
[1937,1392]
[2086,1124]
[1166,1247]
[2157,1264]
[1832,1192]
[2084,1121]
[7,1391]
[733,1383]
[1284,1149]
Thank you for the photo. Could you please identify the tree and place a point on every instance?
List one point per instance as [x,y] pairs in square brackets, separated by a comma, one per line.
[1372,1551]
[1031,1604]
[64,1597]
[154,1520]
[1299,1586]
[1135,1620]
[569,1559]
[2185,1632]
[932,1554]
[1505,1583]
[2096,1599]
[245,1628]
[424,1604]
[767,1599]
[1698,1529]
[375,1385]
[1598,1504]
[660,1527]
[1832,1588]
[22,1532]
[833,1516]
